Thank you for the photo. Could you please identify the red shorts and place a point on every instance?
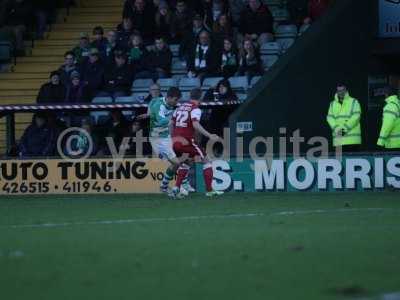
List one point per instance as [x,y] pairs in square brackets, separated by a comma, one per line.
[187,147]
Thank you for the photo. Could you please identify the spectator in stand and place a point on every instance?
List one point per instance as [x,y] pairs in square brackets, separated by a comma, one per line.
[17,16]
[229,58]
[159,60]
[82,144]
[82,50]
[99,41]
[221,29]
[111,46]
[117,127]
[44,12]
[203,58]
[181,21]
[67,68]
[138,56]
[39,139]
[236,7]
[316,8]
[191,37]
[221,92]
[92,73]
[77,91]
[163,21]
[256,22]
[117,77]
[53,91]
[213,9]
[154,92]
[298,10]
[124,32]
[250,61]
[142,16]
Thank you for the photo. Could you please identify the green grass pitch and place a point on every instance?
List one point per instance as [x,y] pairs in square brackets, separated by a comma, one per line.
[240,246]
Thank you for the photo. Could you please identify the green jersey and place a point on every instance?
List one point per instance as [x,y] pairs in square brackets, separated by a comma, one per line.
[160,116]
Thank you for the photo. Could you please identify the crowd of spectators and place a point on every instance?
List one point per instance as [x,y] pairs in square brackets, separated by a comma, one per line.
[216,38]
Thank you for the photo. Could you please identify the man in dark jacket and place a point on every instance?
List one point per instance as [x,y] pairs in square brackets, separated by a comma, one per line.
[77,91]
[53,91]
[256,22]
[67,68]
[18,14]
[39,139]
[117,78]
[159,60]
[124,32]
[190,37]
[99,41]
[92,72]
[142,15]
[203,58]
[181,21]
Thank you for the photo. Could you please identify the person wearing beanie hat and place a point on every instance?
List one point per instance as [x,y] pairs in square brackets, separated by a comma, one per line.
[53,91]
[77,92]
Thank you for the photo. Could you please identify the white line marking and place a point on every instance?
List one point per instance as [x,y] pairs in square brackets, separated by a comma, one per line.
[197,218]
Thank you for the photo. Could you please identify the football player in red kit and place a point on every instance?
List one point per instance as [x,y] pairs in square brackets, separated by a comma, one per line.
[186,123]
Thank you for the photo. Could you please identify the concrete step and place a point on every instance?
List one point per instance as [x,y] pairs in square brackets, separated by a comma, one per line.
[29,99]
[59,42]
[112,8]
[42,59]
[83,26]
[50,51]
[23,76]
[94,20]
[29,84]
[32,92]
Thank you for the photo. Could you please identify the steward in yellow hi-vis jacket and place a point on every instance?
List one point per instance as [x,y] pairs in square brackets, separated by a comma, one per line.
[344,119]
[389,136]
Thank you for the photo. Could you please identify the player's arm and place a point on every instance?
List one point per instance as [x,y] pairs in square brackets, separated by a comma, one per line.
[200,129]
[195,116]
[144,116]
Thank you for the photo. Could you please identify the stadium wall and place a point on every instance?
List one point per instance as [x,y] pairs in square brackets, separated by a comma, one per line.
[296,92]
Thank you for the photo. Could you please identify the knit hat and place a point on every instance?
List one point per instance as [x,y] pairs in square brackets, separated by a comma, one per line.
[84,35]
[54,73]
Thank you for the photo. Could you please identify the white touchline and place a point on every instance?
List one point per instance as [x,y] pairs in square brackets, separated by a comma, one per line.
[191,218]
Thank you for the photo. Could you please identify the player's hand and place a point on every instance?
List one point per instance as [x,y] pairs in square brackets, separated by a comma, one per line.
[214,137]
[142,116]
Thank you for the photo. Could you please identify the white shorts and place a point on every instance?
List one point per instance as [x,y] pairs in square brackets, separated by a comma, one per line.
[162,147]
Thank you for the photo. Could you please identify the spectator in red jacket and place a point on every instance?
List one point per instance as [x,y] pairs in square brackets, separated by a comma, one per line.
[316,8]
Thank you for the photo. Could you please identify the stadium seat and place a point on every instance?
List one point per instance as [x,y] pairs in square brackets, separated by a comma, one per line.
[178,66]
[303,28]
[186,84]
[127,99]
[242,97]
[254,80]
[210,82]
[99,116]
[174,49]
[185,97]
[286,31]
[141,85]
[6,49]
[285,43]
[239,83]
[280,14]
[270,48]
[166,83]
[269,60]
[103,100]
[139,97]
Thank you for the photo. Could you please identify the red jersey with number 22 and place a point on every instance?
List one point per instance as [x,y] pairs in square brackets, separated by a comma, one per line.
[183,119]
